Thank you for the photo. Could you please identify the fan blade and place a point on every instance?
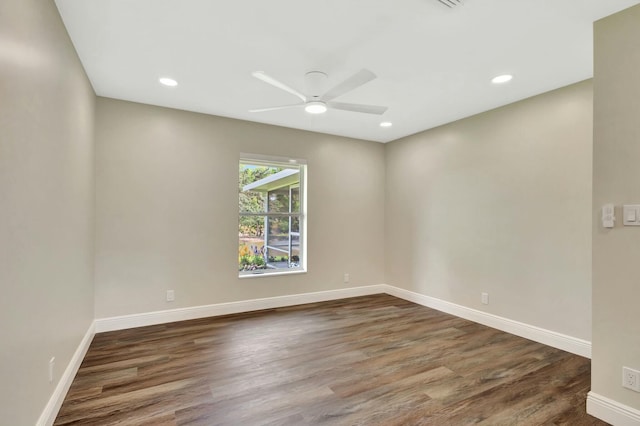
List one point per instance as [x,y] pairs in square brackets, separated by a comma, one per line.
[275,108]
[358,79]
[367,109]
[260,75]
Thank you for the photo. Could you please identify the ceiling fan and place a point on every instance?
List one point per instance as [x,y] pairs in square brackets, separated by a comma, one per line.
[320,100]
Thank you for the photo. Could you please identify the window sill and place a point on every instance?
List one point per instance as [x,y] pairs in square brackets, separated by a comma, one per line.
[254,274]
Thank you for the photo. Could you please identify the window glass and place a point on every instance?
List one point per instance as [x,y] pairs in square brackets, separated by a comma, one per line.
[271,217]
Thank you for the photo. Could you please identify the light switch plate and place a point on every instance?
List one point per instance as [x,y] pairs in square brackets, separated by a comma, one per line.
[631,214]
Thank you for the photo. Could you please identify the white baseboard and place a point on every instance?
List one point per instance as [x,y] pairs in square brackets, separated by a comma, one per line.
[547,337]
[52,408]
[537,334]
[612,411]
[181,314]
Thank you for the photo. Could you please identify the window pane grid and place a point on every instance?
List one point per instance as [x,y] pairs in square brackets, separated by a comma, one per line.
[271,217]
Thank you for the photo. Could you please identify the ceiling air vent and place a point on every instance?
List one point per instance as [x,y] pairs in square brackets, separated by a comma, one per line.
[451,3]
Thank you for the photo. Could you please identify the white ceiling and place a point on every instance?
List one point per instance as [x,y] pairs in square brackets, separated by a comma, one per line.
[434,64]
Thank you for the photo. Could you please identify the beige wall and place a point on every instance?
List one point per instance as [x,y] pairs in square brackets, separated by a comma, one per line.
[616,179]
[46,205]
[167,208]
[499,203]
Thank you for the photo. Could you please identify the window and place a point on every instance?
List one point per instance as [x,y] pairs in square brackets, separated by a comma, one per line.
[271,225]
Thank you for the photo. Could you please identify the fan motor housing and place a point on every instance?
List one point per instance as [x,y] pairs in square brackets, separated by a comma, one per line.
[316,83]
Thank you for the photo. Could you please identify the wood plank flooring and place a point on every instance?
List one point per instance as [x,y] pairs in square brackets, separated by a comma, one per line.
[374,360]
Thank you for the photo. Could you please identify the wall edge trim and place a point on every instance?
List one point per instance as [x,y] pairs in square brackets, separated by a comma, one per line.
[551,338]
[596,405]
[612,411]
[195,312]
[52,408]
[557,340]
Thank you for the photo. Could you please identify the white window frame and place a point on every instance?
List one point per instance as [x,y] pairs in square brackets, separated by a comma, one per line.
[285,162]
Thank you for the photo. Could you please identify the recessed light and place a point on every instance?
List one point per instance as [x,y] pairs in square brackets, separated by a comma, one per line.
[386,124]
[168,81]
[501,78]
[315,107]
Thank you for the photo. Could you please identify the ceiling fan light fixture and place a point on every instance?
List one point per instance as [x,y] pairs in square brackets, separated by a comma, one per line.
[319,100]
[168,81]
[315,107]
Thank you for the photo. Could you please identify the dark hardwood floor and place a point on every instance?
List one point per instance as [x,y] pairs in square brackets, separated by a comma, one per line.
[374,360]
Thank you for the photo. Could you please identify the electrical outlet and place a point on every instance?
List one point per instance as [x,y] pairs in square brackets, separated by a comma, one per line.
[346,278]
[484,297]
[52,364]
[171,295]
[631,379]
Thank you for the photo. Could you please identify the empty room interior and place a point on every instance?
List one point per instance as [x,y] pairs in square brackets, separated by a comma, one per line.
[287,212]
